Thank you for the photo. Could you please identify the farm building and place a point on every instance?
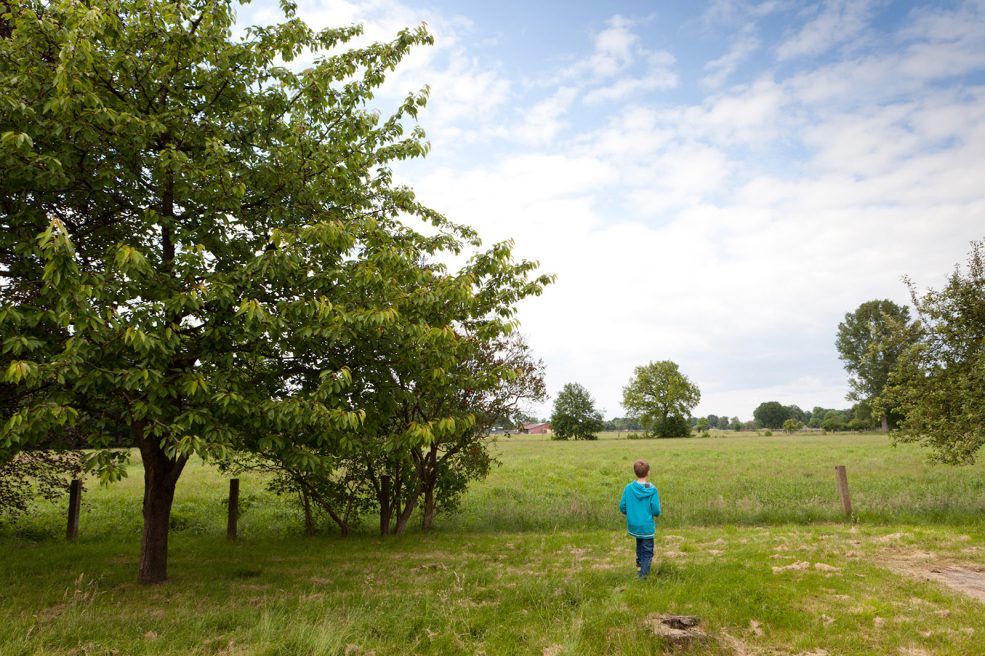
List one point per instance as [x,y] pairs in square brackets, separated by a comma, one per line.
[537,429]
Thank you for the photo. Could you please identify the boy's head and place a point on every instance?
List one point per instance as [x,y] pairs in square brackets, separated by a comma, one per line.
[641,468]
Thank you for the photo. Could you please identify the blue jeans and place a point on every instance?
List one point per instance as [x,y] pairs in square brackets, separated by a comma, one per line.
[644,555]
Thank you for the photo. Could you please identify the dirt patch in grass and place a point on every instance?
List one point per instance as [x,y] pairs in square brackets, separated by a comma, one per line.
[797,566]
[966,579]
[679,631]
[51,613]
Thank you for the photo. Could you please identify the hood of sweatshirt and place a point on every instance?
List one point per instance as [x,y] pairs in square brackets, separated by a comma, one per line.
[642,490]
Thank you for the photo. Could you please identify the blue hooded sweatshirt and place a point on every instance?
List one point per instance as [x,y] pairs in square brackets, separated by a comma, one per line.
[640,503]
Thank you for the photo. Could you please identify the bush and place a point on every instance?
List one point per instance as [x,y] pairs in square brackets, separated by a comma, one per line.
[636,436]
[768,433]
[672,426]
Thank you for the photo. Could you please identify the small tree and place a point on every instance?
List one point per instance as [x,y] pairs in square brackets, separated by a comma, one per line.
[834,420]
[939,382]
[662,398]
[703,424]
[575,415]
[791,425]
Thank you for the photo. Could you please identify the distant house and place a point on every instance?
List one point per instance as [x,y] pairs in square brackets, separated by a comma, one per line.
[536,429]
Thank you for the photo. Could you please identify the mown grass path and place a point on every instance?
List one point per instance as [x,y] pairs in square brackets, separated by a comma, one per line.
[536,562]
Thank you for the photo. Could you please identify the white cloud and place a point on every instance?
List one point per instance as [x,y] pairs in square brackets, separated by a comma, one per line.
[541,122]
[620,66]
[658,75]
[739,12]
[719,70]
[837,22]
[615,48]
[750,113]
[679,176]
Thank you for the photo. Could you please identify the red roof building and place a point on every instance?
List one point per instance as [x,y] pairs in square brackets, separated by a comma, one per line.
[537,429]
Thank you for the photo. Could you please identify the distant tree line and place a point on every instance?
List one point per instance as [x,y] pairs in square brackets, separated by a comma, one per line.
[775,415]
[623,424]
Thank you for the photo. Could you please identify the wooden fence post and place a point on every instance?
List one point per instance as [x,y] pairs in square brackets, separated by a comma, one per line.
[846,501]
[74,507]
[233,508]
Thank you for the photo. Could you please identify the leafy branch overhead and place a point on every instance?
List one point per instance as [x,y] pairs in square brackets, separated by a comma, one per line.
[937,385]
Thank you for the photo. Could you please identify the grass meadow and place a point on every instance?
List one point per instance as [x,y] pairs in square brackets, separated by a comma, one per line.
[536,561]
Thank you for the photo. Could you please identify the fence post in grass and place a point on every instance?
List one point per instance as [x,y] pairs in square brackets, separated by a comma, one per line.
[233,508]
[846,501]
[74,506]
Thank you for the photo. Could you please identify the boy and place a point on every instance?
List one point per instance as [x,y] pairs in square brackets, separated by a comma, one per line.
[641,503]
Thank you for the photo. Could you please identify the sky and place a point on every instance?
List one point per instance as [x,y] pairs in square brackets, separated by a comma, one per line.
[713,183]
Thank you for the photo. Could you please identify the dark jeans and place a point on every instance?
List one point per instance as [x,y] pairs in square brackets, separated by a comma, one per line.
[644,555]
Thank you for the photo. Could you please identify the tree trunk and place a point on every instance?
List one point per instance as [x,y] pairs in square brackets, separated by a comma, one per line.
[308,493]
[885,422]
[404,517]
[309,521]
[160,477]
[429,509]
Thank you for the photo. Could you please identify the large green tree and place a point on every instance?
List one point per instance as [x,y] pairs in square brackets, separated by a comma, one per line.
[575,414]
[865,347]
[938,385]
[200,244]
[771,414]
[662,398]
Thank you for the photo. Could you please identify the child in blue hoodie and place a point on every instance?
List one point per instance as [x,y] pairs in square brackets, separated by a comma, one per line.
[641,503]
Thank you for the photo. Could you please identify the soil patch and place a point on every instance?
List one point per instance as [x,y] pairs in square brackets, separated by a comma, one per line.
[676,630]
[966,579]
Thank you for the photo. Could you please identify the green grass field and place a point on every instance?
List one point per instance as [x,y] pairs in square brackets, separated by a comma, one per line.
[536,562]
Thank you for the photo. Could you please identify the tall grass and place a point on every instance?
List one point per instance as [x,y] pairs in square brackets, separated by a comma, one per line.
[550,485]
[751,480]
[535,562]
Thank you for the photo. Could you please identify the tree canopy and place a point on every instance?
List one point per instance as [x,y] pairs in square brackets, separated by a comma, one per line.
[204,251]
[771,414]
[575,414]
[939,381]
[864,346]
[662,398]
